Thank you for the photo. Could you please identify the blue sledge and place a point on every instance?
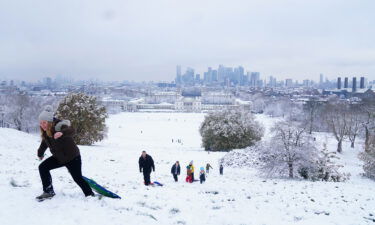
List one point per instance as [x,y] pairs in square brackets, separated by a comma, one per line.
[99,189]
[157,183]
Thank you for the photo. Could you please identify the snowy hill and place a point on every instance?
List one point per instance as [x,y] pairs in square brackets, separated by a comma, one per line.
[240,196]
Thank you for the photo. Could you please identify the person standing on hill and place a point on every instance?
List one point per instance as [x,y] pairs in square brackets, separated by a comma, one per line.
[57,135]
[175,170]
[146,163]
[221,169]
[208,166]
[202,175]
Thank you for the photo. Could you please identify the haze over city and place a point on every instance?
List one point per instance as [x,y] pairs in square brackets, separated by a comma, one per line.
[145,40]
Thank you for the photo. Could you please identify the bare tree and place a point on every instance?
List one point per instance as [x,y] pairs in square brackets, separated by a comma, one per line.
[311,107]
[368,109]
[336,116]
[355,121]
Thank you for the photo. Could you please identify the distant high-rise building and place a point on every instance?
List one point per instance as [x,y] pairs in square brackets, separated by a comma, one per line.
[339,83]
[288,82]
[362,83]
[214,75]
[178,74]
[354,84]
[221,73]
[346,82]
[254,79]
[321,79]
[197,78]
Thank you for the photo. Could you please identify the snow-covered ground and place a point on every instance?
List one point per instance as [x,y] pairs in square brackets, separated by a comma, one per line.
[240,196]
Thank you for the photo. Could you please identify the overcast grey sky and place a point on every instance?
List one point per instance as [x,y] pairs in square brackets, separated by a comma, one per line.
[146,39]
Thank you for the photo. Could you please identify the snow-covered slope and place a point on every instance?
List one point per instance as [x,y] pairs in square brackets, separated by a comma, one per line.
[238,197]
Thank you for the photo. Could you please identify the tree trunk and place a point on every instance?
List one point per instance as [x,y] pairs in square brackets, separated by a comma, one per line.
[290,165]
[339,146]
[367,139]
[352,144]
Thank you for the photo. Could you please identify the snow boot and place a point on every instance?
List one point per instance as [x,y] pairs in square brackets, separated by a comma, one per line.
[45,196]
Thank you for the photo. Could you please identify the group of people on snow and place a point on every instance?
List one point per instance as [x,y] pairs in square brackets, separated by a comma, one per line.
[57,135]
[176,170]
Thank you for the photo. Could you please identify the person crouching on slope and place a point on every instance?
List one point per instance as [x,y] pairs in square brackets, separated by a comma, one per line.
[146,163]
[192,170]
[57,135]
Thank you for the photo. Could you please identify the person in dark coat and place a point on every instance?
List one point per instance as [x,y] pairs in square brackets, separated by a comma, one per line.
[176,169]
[208,166]
[221,169]
[202,175]
[146,163]
[57,135]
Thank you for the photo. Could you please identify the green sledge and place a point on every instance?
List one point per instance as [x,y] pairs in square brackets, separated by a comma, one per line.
[99,189]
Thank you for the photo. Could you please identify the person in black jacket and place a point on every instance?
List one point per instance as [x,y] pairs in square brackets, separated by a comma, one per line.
[57,135]
[176,170]
[146,163]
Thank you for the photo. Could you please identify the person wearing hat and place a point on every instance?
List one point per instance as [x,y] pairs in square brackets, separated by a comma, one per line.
[202,175]
[192,170]
[57,135]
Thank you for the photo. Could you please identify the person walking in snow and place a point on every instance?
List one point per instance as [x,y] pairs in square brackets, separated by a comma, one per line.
[176,170]
[146,163]
[221,169]
[202,175]
[208,166]
[57,135]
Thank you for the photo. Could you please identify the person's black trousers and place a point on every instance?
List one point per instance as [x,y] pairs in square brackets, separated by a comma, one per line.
[202,178]
[175,177]
[146,176]
[192,176]
[74,167]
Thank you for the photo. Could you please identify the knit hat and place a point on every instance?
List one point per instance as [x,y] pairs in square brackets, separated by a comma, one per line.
[47,114]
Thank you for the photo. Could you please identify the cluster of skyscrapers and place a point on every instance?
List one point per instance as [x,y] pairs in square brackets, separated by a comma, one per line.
[227,76]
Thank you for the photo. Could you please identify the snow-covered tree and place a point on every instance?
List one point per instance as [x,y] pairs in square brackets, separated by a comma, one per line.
[230,129]
[311,109]
[336,116]
[21,111]
[85,115]
[355,121]
[324,167]
[289,149]
[368,122]
[368,158]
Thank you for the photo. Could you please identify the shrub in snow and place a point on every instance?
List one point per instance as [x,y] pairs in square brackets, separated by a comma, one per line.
[243,158]
[323,168]
[289,149]
[85,115]
[230,129]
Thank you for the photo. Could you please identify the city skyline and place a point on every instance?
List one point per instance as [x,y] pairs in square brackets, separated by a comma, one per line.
[145,40]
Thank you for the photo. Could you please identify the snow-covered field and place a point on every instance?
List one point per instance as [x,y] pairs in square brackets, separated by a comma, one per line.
[239,197]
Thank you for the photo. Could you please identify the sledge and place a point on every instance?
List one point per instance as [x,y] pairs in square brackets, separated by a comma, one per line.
[159,184]
[99,189]
[155,183]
